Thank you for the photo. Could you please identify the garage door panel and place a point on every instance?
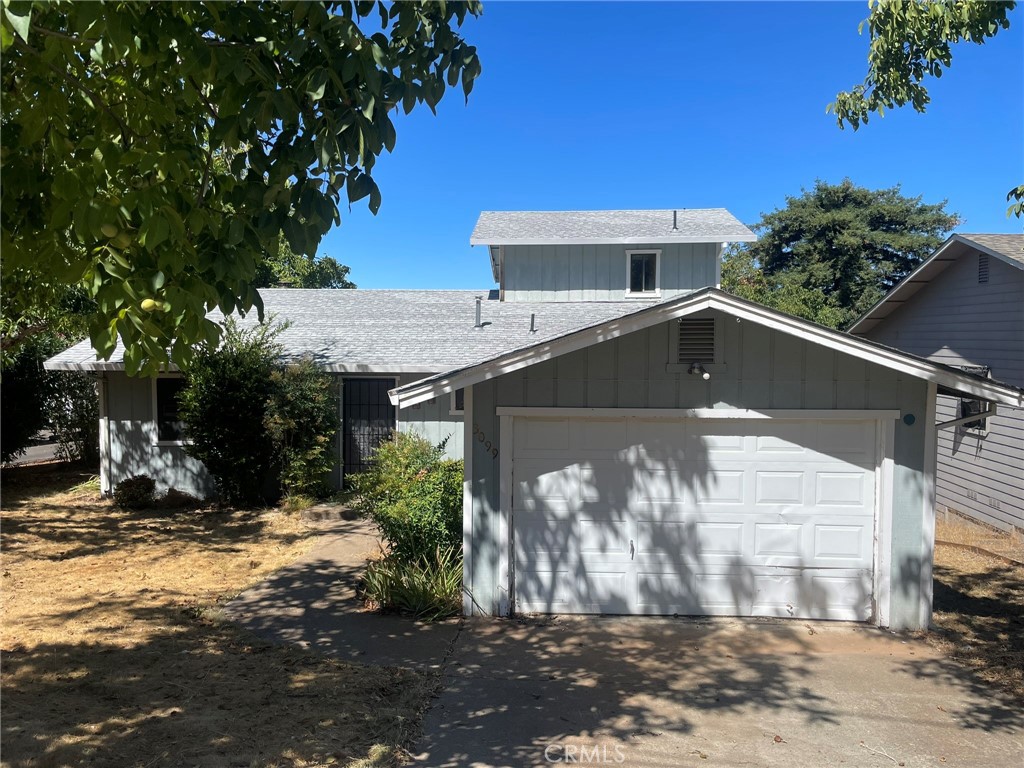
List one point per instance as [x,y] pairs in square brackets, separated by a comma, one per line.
[754,517]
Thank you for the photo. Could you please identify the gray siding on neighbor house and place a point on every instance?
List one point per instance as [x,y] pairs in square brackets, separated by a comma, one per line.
[598,272]
[765,369]
[959,321]
[133,449]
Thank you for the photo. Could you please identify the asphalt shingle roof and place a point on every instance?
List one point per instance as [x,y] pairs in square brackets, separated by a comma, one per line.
[395,331]
[1011,246]
[553,227]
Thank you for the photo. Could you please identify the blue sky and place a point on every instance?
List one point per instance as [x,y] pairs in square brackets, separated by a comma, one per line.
[664,105]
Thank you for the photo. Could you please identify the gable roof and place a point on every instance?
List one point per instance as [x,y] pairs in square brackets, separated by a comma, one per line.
[392,331]
[691,225]
[947,377]
[1007,248]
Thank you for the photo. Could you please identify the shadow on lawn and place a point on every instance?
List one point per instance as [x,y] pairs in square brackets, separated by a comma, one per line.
[199,694]
[980,614]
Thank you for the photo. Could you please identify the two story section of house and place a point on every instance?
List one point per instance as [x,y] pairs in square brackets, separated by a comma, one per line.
[964,306]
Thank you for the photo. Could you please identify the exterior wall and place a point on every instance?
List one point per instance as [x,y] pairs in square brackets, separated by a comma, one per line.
[132,441]
[598,272]
[764,369]
[957,321]
[131,438]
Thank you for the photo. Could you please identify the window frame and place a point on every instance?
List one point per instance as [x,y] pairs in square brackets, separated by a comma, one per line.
[155,420]
[982,429]
[453,409]
[674,366]
[654,294]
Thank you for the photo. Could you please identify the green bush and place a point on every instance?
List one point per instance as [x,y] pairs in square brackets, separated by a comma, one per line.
[137,492]
[428,589]
[259,426]
[73,408]
[302,419]
[24,386]
[414,495]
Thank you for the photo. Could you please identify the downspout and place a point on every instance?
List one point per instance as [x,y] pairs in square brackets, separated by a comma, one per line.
[105,462]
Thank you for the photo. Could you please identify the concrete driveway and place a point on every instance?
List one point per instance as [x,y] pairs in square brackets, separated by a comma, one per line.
[665,692]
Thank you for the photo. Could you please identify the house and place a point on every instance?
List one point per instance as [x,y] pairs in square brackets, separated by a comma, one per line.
[964,306]
[635,439]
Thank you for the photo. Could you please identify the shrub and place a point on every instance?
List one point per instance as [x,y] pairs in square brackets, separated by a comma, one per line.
[302,419]
[23,403]
[178,501]
[137,492]
[428,589]
[73,409]
[260,426]
[224,406]
[414,495]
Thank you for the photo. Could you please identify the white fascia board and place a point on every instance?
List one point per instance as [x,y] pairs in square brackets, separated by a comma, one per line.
[747,414]
[403,397]
[864,350]
[86,366]
[653,240]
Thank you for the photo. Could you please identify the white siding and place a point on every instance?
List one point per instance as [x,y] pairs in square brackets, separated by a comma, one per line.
[958,321]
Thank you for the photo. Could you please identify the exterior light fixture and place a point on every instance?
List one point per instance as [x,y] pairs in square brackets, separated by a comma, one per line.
[697,368]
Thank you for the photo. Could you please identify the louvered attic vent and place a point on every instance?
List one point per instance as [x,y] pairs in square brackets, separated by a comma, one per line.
[982,267]
[696,341]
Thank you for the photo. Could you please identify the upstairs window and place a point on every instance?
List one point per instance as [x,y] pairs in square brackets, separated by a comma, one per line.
[643,273]
[169,427]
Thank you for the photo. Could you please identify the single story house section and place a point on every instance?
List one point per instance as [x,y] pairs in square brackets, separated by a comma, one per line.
[785,470]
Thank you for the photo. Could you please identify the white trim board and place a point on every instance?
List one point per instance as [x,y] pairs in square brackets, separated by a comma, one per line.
[698,413]
[706,299]
[648,240]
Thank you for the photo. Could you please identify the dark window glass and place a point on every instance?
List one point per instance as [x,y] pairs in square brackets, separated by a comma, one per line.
[460,399]
[168,426]
[642,272]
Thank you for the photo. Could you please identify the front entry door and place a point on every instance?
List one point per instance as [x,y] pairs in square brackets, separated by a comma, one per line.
[368,419]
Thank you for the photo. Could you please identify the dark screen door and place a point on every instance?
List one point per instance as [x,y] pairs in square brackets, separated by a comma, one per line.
[368,419]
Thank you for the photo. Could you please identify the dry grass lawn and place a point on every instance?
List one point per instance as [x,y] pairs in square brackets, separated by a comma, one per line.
[113,655]
[979,607]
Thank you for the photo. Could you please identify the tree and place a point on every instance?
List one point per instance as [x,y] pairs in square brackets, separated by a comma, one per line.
[910,42]
[287,269]
[834,251]
[154,152]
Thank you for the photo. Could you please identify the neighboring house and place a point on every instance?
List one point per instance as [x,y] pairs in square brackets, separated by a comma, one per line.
[636,440]
[964,306]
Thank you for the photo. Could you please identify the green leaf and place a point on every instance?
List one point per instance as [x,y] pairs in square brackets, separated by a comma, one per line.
[20,24]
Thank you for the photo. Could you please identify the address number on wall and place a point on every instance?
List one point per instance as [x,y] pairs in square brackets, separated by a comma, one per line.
[482,438]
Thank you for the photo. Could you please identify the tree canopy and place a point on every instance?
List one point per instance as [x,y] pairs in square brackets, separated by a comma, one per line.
[910,42]
[156,153]
[288,269]
[835,250]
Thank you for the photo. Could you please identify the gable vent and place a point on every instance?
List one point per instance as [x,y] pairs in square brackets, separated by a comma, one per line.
[982,267]
[696,340]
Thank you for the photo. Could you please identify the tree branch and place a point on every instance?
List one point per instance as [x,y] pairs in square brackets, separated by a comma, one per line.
[126,133]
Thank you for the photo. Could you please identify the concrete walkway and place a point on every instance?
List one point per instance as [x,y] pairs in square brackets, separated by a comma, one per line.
[313,603]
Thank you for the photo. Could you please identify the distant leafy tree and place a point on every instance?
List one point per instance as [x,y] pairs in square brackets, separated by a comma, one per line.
[287,269]
[910,42]
[115,115]
[835,250]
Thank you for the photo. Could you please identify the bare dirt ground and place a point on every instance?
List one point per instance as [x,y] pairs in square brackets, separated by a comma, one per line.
[113,653]
[979,606]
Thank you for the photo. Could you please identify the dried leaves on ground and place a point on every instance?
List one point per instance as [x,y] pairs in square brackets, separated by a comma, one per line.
[979,610]
[113,654]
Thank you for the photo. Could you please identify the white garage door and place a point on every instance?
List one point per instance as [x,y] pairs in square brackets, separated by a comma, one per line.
[693,517]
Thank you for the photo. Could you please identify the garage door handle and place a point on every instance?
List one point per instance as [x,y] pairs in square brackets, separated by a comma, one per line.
[632,549]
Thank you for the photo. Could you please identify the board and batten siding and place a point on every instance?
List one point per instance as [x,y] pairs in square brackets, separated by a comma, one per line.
[958,321]
[133,448]
[598,272]
[764,369]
